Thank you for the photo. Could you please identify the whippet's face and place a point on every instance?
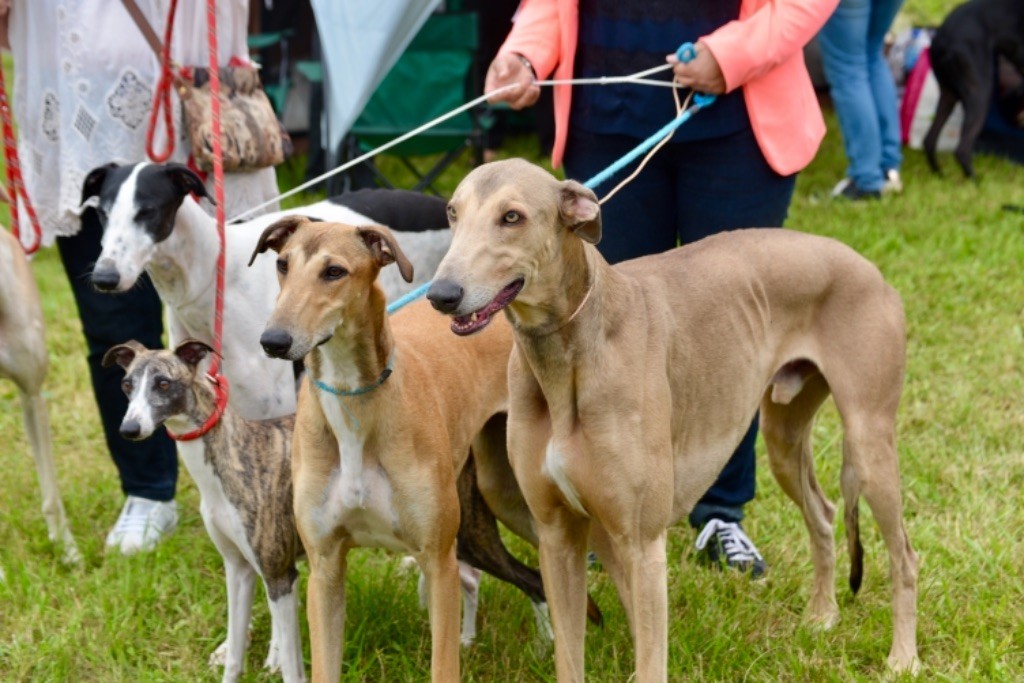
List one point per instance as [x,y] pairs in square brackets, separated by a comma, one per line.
[156,383]
[137,206]
[327,273]
[510,221]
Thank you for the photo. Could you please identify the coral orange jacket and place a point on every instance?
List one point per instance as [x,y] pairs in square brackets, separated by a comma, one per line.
[762,52]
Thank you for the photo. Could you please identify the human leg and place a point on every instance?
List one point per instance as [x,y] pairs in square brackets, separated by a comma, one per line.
[726,184]
[844,51]
[883,86]
[148,469]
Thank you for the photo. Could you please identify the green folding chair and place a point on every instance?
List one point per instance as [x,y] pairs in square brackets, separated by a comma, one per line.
[434,75]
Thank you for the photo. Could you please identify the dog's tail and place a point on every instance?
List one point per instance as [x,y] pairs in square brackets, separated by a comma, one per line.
[479,544]
[851,515]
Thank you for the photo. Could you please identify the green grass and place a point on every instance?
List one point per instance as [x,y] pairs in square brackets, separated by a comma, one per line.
[946,245]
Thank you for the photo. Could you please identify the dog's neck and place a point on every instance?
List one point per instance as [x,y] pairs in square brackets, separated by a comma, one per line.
[359,351]
[559,300]
[184,267]
[201,403]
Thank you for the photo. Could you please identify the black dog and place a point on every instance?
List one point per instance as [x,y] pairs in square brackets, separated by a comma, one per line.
[962,54]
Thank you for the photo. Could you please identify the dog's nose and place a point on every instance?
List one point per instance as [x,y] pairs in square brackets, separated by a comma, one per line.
[106,279]
[445,295]
[131,429]
[276,343]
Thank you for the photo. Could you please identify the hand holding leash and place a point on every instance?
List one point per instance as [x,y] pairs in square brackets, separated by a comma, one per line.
[695,67]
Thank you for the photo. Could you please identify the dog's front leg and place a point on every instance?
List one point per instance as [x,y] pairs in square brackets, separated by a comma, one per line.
[284,619]
[37,427]
[442,572]
[241,578]
[325,608]
[648,582]
[563,566]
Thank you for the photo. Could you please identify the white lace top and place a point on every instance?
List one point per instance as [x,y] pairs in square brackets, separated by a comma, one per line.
[83,88]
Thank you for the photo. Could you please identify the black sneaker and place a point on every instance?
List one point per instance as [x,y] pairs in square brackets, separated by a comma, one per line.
[847,189]
[725,544]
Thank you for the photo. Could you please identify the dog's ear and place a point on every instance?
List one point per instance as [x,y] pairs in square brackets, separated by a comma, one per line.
[578,207]
[193,351]
[382,244]
[122,354]
[186,181]
[94,181]
[277,234]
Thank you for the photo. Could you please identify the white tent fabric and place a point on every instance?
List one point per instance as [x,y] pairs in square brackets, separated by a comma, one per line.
[360,42]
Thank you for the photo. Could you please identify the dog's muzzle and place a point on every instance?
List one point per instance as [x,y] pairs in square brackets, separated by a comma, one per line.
[131,429]
[445,295]
[106,279]
[276,343]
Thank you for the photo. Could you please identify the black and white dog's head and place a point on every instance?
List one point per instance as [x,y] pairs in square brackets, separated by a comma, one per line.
[157,383]
[137,206]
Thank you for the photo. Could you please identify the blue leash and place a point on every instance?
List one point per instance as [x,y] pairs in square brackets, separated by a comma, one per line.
[359,390]
[686,53]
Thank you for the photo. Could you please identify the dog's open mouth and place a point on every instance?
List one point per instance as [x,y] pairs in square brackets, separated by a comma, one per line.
[477,320]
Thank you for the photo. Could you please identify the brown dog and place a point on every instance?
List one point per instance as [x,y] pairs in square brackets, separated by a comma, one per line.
[629,388]
[385,421]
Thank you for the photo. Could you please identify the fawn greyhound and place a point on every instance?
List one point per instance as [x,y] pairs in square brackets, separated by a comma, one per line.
[629,387]
[387,415]
[23,359]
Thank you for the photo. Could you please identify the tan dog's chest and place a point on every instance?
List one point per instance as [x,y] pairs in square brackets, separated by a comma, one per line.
[358,498]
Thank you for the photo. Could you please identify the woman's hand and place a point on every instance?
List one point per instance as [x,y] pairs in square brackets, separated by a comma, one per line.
[511,70]
[702,73]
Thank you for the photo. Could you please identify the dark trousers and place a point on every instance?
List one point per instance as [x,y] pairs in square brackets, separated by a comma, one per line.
[148,468]
[687,191]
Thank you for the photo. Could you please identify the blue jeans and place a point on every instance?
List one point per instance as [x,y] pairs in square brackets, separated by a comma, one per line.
[688,190]
[862,87]
[149,468]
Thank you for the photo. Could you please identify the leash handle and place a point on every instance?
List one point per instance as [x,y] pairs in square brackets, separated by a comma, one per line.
[15,181]
[686,53]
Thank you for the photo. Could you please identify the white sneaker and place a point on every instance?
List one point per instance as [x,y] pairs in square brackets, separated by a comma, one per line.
[892,184]
[143,523]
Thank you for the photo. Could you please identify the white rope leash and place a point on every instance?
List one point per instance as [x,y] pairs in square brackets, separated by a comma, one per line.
[638,78]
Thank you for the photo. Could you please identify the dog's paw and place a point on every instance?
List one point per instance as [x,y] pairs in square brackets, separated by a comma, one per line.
[904,665]
[70,555]
[822,613]
[273,661]
[219,656]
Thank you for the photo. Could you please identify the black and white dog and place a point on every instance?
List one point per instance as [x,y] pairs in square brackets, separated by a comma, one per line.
[963,51]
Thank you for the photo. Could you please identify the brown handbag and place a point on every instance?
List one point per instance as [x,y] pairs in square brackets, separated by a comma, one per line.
[252,137]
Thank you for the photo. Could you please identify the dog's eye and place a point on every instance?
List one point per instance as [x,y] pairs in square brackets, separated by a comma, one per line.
[511,218]
[334,273]
[163,384]
[282,266]
[451,213]
[145,214]
[126,386]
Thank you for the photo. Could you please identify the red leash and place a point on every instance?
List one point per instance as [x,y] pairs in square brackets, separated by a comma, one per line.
[220,383]
[162,96]
[15,181]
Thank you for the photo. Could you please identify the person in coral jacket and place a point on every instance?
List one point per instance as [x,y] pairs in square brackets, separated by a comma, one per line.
[733,165]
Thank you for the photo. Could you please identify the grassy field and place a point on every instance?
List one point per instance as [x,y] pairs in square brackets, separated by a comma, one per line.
[949,248]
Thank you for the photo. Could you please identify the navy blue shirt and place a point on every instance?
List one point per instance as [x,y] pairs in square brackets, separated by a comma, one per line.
[620,37]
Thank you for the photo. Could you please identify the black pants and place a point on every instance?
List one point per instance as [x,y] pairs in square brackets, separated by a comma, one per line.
[688,191]
[148,468]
